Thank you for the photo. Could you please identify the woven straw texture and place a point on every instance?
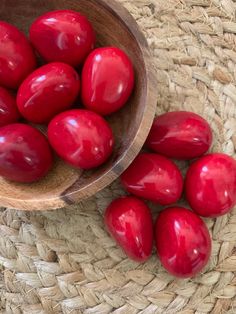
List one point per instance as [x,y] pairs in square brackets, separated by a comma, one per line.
[65,262]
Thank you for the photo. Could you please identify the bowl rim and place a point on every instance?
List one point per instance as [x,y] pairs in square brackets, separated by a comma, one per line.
[73,197]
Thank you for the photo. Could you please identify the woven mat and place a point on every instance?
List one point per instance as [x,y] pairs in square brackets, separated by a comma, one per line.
[65,262]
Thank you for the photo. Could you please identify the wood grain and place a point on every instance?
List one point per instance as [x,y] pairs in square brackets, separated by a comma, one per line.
[114,27]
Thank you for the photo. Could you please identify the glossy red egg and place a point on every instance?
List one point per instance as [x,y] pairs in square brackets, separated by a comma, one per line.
[180,135]
[63,35]
[25,155]
[154,178]
[107,80]
[183,242]
[17,58]
[47,91]
[210,185]
[8,109]
[81,137]
[129,221]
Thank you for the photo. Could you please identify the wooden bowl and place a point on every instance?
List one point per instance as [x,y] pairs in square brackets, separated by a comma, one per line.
[114,26]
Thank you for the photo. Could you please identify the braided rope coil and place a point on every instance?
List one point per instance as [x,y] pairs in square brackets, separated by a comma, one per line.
[65,262]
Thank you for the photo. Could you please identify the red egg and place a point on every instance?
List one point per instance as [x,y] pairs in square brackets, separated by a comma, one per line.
[107,80]
[211,185]
[154,178]
[81,137]
[63,35]
[183,242]
[17,58]
[47,91]
[8,109]
[25,155]
[180,135]
[129,221]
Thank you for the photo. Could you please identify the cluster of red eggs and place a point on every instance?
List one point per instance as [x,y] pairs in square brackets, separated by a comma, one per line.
[82,137]
[183,241]
[65,41]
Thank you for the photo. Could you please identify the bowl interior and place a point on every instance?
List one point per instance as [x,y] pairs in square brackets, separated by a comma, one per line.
[65,184]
